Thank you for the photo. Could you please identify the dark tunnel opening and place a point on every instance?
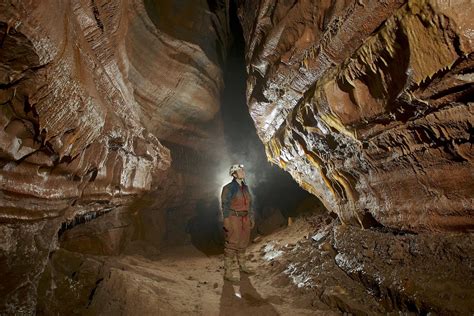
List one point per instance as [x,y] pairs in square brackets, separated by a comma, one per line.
[276,195]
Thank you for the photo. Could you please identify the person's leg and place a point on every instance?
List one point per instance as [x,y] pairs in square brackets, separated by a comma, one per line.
[244,239]
[231,248]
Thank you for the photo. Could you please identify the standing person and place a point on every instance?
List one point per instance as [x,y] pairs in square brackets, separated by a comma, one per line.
[238,221]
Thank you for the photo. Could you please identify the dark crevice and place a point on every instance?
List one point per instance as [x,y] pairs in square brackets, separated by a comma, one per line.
[82,219]
[115,143]
[96,12]
[466,90]
[93,172]
[92,293]
[27,107]
[368,221]
[3,33]
[394,231]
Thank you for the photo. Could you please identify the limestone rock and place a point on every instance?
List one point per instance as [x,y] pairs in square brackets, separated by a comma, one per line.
[88,90]
[419,273]
[368,105]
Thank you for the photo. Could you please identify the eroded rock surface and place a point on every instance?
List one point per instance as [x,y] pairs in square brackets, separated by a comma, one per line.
[370,271]
[368,104]
[86,90]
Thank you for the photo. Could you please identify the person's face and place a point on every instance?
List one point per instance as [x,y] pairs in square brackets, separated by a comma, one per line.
[240,174]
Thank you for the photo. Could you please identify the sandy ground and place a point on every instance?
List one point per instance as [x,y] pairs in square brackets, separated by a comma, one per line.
[185,281]
[316,266]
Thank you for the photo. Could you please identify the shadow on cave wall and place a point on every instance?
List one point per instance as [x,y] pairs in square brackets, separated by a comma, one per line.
[205,229]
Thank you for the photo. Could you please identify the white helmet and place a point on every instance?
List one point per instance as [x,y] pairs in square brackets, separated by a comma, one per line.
[234,168]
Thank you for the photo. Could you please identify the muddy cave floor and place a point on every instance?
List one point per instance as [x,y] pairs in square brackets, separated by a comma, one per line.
[314,266]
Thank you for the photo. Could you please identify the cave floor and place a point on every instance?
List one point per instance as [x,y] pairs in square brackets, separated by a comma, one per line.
[190,283]
[315,266]
[184,281]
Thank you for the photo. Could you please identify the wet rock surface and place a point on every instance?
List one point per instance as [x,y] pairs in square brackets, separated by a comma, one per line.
[86,90]
[69,277]
[24,254]
[314,266]
[417,273]
[368,104]
[347,269]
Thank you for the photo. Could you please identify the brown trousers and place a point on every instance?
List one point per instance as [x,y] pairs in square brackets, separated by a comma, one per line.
[237,234]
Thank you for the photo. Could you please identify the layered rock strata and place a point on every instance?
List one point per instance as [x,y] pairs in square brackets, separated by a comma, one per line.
[368,104]
[86,90]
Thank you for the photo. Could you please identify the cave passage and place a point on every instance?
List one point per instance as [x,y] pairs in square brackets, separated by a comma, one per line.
[120,119]
[276,196]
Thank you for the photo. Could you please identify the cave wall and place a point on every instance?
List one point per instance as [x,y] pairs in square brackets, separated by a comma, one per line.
[368,105]
[88,89]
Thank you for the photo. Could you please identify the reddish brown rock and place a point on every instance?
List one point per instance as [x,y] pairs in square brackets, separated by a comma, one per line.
[71,128]
[428,272]
[369,271]
[172,56]
[368,105]
[86,90]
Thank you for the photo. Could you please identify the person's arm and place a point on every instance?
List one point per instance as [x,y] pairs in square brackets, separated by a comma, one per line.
[225,202]
[251,212]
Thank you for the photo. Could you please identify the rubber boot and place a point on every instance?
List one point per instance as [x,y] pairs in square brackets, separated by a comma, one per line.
[243,263]
[229,270]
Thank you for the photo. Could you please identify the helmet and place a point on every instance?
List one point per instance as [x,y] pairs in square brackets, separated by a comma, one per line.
[234,168]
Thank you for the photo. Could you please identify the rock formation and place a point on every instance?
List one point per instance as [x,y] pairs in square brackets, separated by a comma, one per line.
[368,104]
[109,114]
[86,90]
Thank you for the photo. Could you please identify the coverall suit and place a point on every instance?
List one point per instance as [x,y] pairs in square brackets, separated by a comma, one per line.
[236,206]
